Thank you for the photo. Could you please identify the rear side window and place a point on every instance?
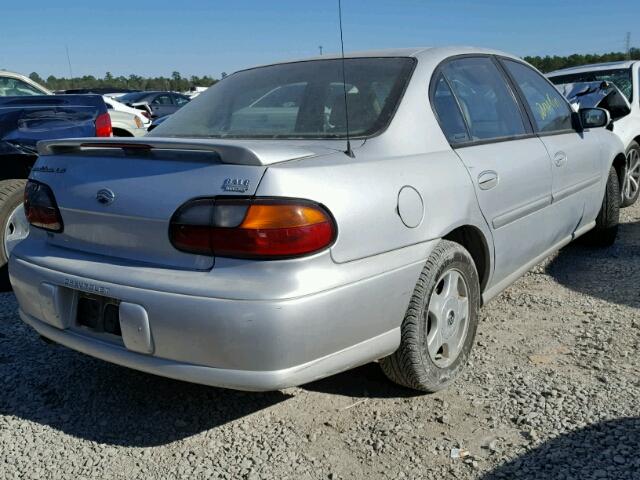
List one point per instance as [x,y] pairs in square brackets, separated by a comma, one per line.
[551,112]
[448,113]
[488,105]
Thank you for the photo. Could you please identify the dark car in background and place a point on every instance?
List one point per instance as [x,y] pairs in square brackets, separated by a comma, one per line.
[158,103]
[30,113]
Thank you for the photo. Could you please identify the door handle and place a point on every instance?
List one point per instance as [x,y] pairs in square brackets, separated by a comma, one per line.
[487,180]
[560,159]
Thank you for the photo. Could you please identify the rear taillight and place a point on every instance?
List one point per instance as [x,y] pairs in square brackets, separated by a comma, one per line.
[40,207]
[257,228]
[103,125]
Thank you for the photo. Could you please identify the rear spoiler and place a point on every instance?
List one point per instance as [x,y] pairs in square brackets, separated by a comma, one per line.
[228,151]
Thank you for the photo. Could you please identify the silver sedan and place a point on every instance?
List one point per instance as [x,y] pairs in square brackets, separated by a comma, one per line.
[298,219]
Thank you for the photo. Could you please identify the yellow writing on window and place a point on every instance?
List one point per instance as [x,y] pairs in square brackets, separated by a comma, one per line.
[548,106]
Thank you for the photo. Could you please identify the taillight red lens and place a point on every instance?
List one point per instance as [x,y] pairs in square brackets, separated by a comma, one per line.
[259,228]
[103,125]
[40,207]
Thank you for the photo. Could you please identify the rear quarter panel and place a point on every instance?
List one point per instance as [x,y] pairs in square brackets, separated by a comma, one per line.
[362,195]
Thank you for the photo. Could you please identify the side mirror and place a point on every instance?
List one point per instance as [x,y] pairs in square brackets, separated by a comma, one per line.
[594,117]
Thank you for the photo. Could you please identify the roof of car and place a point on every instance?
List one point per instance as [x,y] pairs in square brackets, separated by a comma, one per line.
[26,79]
[415,52]
[594,66]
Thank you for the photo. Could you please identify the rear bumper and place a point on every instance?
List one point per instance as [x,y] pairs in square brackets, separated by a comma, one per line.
[248,344]
[251,380]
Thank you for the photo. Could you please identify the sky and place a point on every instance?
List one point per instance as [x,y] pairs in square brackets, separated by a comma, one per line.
[198,37]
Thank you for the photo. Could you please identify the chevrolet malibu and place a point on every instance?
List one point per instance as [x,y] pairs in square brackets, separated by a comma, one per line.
[297,220]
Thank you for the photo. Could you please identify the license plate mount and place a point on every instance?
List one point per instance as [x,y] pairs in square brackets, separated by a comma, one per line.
[98,314]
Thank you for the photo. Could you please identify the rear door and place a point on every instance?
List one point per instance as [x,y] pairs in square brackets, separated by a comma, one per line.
[508,164]
[577,160]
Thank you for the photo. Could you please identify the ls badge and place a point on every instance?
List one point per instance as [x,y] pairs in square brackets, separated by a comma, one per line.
[105,196]
[240,185]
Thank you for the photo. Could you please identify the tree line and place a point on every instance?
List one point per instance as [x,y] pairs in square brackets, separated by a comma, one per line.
[550,63]
[176,82]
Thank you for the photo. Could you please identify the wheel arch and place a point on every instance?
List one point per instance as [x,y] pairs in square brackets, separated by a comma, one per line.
[475,242]
[121,132]
[620,163]
[16,166]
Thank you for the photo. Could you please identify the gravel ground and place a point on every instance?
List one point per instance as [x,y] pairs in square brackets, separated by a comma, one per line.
[551,393]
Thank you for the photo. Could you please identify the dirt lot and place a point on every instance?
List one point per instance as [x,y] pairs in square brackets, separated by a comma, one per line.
[552,392]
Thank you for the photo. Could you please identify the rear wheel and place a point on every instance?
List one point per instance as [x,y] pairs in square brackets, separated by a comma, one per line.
[13,224]
[606,229]
[440,324]
[631,183]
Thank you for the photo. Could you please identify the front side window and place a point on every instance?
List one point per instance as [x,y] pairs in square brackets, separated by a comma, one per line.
[296,100]
[488,105]
[550,110]
[12,87]
[448,113]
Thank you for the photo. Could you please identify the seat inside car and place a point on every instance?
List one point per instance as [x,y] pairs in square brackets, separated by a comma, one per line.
[361,113]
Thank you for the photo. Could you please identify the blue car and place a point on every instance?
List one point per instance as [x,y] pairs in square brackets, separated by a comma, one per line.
[30,113]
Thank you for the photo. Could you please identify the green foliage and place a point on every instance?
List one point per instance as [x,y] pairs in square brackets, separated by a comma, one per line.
[549,64]
[176,82]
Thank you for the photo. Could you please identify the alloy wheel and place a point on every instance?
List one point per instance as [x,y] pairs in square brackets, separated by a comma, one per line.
[15,230]
[632,175]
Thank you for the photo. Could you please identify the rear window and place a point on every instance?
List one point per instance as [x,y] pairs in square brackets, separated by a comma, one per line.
[620,77]
[133,97]
[12,87]
[296,100]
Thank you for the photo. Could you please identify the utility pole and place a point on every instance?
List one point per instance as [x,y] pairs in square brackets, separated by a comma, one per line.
[627,45]
[320,48]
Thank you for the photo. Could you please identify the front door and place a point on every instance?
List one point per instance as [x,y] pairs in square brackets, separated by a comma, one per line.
[575,156]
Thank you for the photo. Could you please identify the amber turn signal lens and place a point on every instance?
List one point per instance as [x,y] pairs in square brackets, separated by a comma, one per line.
[282,216]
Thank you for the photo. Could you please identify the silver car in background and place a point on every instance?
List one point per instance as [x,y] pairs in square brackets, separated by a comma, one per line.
[612,78]
[246,243]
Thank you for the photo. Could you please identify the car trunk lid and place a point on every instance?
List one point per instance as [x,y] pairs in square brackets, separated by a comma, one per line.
[117,198]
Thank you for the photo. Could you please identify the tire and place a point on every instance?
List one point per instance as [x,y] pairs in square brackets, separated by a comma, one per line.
[413,365]
[606,229]
[11,197]
[630,187]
